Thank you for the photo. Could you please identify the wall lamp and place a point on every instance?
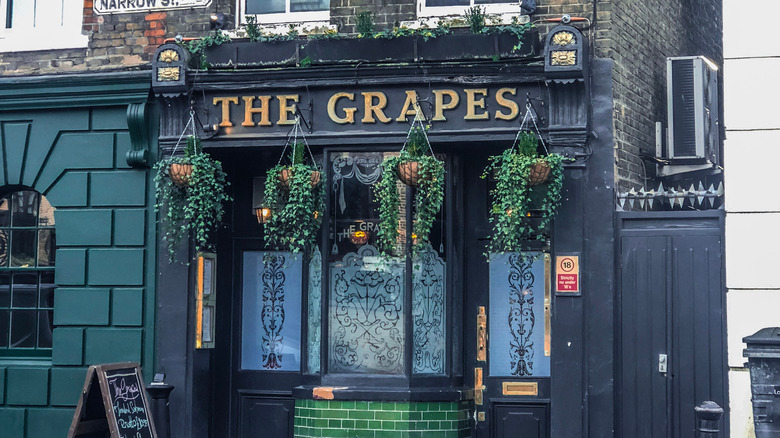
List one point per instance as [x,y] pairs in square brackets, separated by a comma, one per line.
[216,20]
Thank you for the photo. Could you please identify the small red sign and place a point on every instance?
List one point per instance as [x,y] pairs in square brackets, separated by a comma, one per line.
[567,274]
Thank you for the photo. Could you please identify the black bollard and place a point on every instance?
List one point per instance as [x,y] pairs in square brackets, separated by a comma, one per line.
[159,391]
[708,419]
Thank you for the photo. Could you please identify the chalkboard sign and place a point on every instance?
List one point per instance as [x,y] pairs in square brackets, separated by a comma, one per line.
[113,403]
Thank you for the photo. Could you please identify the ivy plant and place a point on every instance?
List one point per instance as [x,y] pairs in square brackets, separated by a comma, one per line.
[512,195]
[193,209]
[197,47]
[296,210]
[428,197]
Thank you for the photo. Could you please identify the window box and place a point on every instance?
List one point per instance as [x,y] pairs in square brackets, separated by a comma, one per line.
[450,47]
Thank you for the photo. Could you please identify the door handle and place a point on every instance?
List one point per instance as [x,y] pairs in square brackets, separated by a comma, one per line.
[662,363]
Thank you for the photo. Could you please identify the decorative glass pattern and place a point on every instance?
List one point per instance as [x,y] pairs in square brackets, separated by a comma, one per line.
[271,320]
[315,311]
[428,313]
[366,314]
[27,256]
[516,316]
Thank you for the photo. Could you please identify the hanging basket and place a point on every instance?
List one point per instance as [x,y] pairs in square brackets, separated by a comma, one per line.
[180,174]
[409,173]
[538,173]
[285,175]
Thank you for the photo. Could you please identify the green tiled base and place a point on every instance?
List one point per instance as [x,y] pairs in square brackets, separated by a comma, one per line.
[369,419]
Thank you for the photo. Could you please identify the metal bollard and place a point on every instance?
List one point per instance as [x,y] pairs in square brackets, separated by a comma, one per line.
[160,391]
[707,419]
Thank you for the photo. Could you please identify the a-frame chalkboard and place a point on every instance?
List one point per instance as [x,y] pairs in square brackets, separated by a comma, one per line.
[113,404]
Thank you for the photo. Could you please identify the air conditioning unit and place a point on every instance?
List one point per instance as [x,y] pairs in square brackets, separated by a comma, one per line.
[692,103]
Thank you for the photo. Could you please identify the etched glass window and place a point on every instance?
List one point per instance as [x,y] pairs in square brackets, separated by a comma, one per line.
[367,294]
[27,256]
[271,311]
[314,334]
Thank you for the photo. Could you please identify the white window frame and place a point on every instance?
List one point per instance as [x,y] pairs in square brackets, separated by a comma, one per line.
[284,17]
[59,27]
[492,8]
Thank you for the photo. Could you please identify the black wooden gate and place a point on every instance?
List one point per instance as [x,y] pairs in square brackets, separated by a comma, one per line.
[671,321]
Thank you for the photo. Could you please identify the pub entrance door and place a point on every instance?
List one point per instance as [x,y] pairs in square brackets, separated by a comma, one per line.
[506,323]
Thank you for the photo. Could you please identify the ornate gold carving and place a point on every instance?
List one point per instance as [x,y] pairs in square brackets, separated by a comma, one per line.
[169,55]
[563,57]
[564,39]
[167,74]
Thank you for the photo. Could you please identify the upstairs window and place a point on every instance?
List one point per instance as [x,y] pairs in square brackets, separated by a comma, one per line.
[27,250]
[32,24]
[433,8]
[287,11]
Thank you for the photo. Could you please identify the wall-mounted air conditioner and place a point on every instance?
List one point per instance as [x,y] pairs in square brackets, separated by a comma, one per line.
[692,102]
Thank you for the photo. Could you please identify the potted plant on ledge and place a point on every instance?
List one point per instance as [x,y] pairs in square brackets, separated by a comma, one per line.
[518,172]
[191,190]
[295,194]
[417,167]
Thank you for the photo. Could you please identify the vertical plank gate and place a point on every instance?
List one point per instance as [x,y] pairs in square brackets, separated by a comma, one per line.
[671,348]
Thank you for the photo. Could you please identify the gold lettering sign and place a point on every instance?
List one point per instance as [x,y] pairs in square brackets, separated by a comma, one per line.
[349,112]
[472,103]
[441,105]
[250,110]
[511,105]
[563,57]
[166,74]
[226,101]
[373,111]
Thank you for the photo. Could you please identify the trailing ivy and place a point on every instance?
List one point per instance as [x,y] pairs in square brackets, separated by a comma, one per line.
[197,48]
[512,197]
[428,198]
[196,208]
[296,211]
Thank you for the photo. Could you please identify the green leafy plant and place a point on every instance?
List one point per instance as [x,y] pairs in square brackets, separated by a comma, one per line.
[475,17]
[425,32]
[197,48]
[196,206]
[515,28]
[513,194]
[364,24]
[295,194]
[428,198]
[252,28]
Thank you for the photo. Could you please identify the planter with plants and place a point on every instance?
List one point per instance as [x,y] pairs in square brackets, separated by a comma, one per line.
[524,178]
[295,194]
[417,167]
[191,192]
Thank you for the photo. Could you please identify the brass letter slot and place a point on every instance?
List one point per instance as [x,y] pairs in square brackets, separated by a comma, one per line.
[481,335]
[521,388]
[478,386]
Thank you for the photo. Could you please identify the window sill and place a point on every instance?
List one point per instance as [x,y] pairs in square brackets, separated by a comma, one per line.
[38,41]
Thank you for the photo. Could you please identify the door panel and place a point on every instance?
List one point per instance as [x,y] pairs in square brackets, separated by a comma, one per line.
[265,416]
[672,303]
[513,421]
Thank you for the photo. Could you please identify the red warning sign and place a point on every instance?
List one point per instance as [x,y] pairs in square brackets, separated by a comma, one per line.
[567,274]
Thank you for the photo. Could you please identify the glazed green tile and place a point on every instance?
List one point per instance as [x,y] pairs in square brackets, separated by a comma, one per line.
[415,416]
[27,386]
[334,423]
[333,433]
[348,424]
[2,386]
[362,433]
[387,415]
[434,425]
[320,422]
[66,384]
[452,415]
[362,405]
[375,425]
[405,406]
[347,405]
[420,406]
[335,413]
[363,415]
[416,434]
[361,424]
[434,415]
[386,434]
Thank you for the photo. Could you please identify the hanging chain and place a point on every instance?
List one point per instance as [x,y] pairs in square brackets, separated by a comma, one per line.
[529,114]
[191,123]
[419,117]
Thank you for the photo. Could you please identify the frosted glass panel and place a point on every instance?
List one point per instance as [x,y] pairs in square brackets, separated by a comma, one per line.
[315,311]
[366,314]
[271,311]
[428,313]
[516,316]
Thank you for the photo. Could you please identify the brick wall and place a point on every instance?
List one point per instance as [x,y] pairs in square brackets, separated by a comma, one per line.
[385,13]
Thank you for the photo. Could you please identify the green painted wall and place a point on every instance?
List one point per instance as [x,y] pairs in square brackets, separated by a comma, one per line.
[373,419]
[104,303]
